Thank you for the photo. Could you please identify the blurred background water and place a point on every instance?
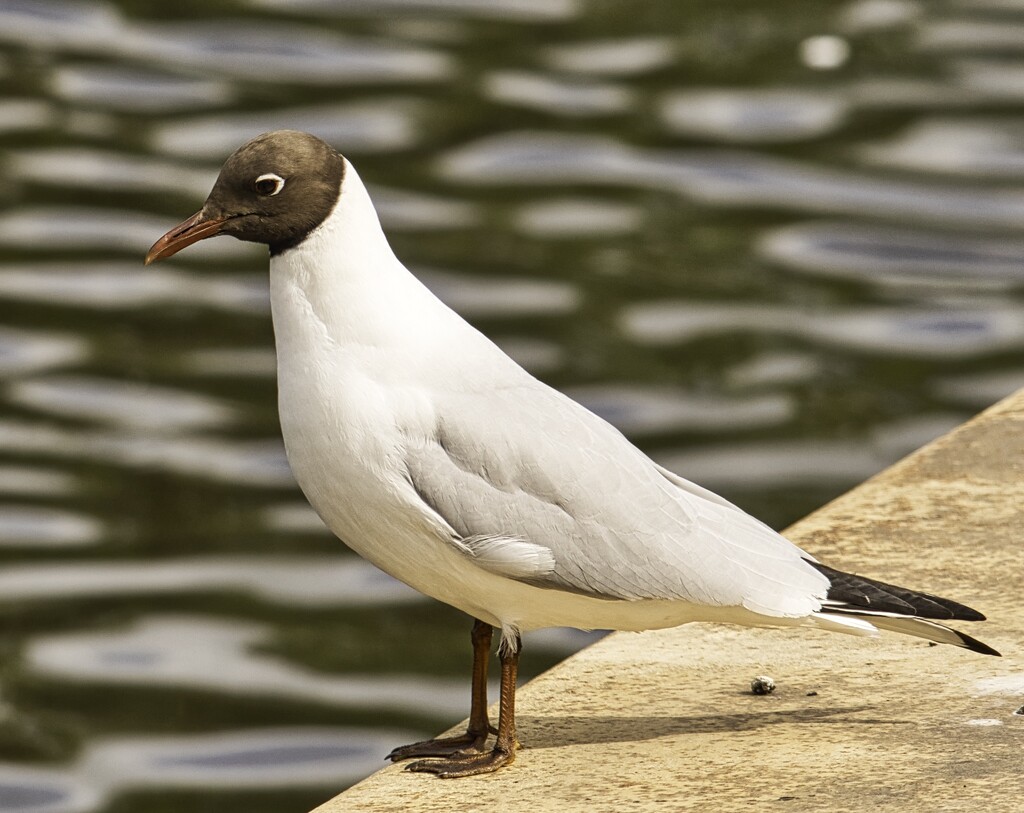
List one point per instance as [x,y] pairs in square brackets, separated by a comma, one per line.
[780,245]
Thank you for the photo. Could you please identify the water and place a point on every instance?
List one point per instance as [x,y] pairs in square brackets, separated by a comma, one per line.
[780,248]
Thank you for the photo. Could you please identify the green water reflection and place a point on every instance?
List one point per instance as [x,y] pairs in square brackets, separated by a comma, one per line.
[779,246]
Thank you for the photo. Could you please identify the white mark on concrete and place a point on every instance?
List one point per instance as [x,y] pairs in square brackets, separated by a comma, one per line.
[1005,684]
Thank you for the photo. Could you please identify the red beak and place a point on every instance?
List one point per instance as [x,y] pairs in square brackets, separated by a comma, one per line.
[196,228]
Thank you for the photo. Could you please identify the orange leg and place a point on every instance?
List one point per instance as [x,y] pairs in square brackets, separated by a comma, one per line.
[472,742]
[506,744]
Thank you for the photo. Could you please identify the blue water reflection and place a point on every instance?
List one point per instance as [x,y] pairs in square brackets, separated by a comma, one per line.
[725,178]
[955,330]
[310,581]
[380,126]
[895,256]
[53,24]
[511,10]
[132,90]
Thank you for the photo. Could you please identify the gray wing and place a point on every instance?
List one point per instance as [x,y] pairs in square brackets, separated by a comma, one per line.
[536,487]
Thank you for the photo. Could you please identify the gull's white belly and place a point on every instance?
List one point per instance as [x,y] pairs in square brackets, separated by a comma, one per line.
[367,510]
[339,431]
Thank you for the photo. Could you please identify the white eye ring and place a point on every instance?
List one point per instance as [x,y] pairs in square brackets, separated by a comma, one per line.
[269,184]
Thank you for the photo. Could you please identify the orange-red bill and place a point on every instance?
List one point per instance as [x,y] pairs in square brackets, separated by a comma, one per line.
[184,234]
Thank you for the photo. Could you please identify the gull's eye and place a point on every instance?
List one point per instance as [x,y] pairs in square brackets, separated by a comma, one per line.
[269,184]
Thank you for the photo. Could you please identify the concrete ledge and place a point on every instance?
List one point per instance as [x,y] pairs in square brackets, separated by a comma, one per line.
[665,720]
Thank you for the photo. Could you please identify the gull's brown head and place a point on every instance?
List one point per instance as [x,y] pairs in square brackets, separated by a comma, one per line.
[275,189]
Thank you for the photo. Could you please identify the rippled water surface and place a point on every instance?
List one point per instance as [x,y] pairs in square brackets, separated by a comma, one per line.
[779,247]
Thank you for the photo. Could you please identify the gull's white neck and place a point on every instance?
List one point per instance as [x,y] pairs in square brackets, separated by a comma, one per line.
[344,283]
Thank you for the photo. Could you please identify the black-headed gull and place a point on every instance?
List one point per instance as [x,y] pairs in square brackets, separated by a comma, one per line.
[433,455]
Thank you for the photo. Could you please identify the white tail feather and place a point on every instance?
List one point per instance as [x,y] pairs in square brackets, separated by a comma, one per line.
[919,628]
[869,624]
[849,624]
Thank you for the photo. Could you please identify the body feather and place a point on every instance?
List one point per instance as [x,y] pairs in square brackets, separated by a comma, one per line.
[436,457]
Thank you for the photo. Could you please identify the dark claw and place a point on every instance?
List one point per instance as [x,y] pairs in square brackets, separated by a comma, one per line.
[469,765]
[464,745]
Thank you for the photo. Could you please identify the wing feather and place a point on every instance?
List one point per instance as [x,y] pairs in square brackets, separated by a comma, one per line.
[528,464]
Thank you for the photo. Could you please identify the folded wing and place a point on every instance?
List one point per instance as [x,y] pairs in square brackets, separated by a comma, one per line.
[535,487]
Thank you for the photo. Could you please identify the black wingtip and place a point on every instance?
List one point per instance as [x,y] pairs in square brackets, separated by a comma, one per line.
[975,645]
[860,592]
